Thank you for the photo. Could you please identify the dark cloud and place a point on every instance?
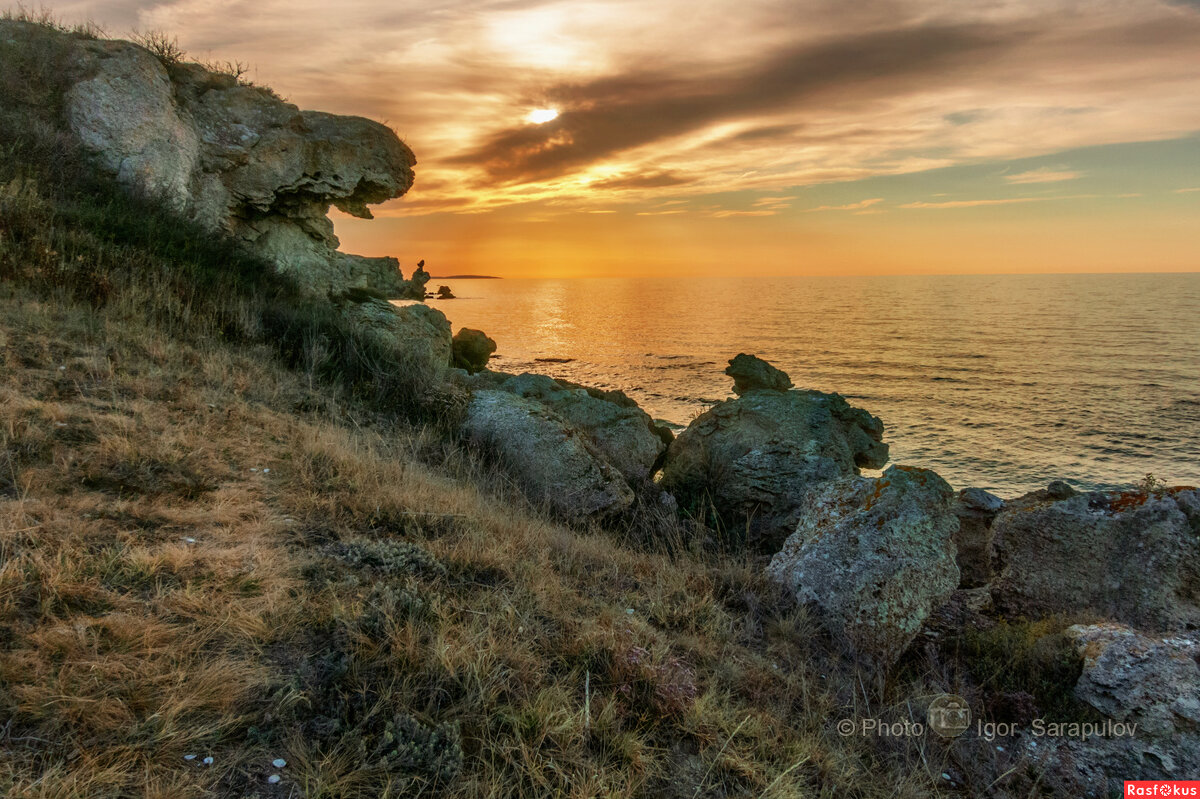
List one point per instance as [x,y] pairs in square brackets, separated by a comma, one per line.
[613,114]
[650,180]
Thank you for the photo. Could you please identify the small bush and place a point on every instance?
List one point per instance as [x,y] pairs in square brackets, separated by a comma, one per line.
[410,747]
[393,558]
[1033,657]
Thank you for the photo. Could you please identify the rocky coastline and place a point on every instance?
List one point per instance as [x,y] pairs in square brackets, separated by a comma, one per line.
[899,569]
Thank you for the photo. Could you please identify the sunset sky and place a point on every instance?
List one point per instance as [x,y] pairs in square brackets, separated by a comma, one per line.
[711,137]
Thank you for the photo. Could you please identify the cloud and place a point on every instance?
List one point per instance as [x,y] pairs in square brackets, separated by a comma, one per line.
[1043,175]
[678,98]
[1015,201]
[613,114]
[650,180]
[858,206]
[1186,191]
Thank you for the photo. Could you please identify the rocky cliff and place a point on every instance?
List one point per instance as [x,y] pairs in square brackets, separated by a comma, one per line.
[233,157]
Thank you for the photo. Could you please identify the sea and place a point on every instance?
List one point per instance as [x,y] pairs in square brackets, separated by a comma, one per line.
[1004,382]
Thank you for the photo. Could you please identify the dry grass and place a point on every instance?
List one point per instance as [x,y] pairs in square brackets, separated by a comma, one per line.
[213,543]
[163,594]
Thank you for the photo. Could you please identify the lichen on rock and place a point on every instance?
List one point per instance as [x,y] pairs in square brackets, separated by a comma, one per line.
[873,557]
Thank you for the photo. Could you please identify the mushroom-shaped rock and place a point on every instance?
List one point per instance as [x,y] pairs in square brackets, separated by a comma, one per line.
[873,558]
[752,373]
[472,349]
[235,158]
[553,461]
[1133,556]
[444,293]
[753,458]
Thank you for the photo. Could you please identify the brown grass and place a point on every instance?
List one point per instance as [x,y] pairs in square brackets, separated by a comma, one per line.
[162,594]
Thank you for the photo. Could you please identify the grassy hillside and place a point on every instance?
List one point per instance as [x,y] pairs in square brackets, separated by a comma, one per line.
[229,530]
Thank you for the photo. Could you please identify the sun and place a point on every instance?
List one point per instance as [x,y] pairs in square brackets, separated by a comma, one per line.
[539,115]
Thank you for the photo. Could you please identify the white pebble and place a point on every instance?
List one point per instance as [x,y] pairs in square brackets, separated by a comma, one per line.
[266,471]
[189,757]
[274,778]
[190,540]
[999,748]
[629,611]
[62,368]
[945,776]
[208,761]
[279,762]
[253,468]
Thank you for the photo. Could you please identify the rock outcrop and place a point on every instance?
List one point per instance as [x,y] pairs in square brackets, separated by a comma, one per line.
[751,373]
[415,337]
[554,462]
[976,510]
[873,558]
[238,160]
[755,457]
[1132,557]
[1148,685]
[472,349]
[620,431]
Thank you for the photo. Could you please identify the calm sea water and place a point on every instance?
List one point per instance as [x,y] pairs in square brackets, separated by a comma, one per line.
[999,381]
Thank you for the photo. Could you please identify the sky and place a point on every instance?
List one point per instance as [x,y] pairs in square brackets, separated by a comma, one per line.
[746,137]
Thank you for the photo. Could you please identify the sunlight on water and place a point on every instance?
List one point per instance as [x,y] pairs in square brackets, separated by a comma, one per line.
[1003,382]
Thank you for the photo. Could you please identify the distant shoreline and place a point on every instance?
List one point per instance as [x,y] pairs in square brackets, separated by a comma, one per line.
[464,277]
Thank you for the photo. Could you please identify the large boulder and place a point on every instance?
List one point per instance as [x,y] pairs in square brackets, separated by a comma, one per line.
[472,349]
[232,157]
[1147,691]
[752,459]
[413,336]
[1132,557]
[614,425]
[873,558]
[552,460]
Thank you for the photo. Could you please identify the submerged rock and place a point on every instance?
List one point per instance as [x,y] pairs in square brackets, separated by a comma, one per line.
[472,349]
[753,458]
[237,159]
[873,558]
[1132,557]
[554,462]
[751,373]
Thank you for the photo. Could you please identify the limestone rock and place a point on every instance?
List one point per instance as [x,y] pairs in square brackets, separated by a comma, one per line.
[751,373]
[873,557]
[1132,557]
[976,510]
[553,461]
[237,159]
[621,432]
[1131,679]
[472,349]
[413,334]
[754,457]
[1128,676]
